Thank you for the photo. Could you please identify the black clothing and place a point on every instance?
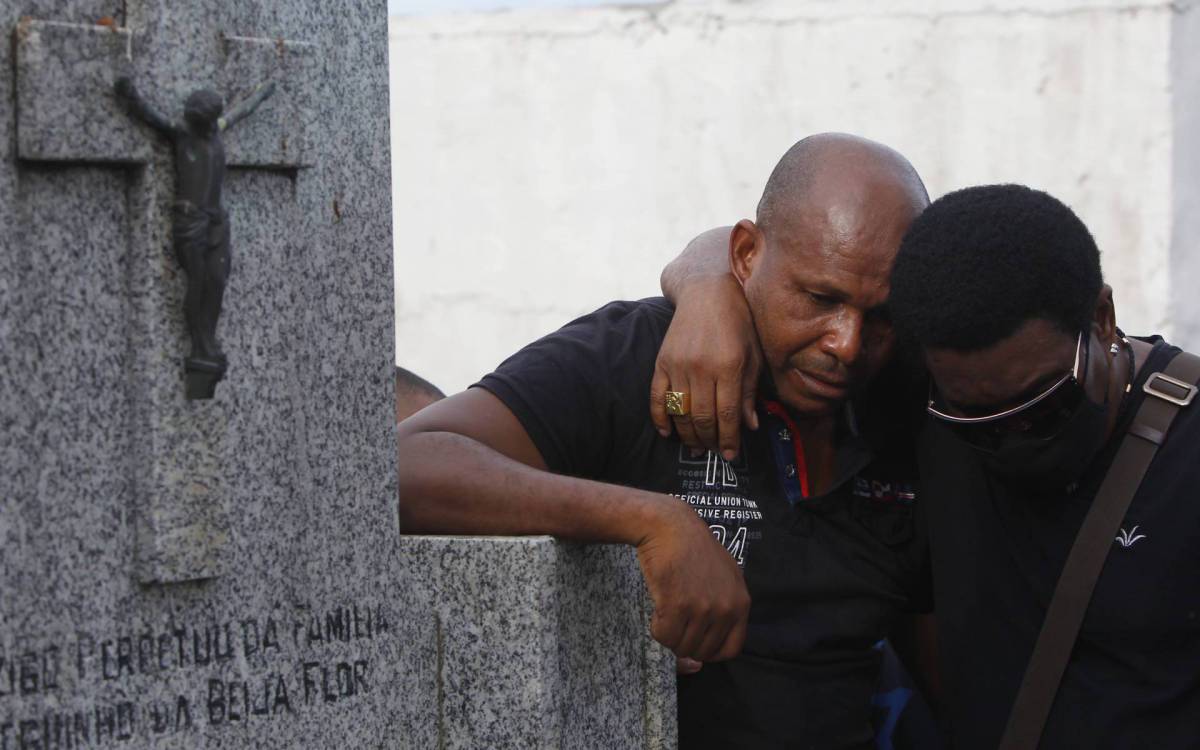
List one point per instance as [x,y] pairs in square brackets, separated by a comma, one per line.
[828,576]
[1134,677]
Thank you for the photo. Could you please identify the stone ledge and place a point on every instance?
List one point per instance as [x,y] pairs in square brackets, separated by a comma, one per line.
[542,643]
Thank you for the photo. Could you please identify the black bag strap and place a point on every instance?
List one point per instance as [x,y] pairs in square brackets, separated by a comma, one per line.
[1167,392]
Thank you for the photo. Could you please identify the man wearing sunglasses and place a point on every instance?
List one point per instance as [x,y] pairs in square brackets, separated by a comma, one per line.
[1033,390]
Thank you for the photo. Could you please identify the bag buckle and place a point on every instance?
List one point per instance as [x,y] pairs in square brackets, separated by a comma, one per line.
[1180,393]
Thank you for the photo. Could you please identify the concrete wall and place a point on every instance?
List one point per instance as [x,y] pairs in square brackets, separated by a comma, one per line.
[548,161]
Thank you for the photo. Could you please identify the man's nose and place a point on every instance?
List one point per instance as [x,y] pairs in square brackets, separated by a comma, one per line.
[843,341]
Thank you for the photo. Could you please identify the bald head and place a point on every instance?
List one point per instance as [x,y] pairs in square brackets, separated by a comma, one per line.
[837,179]
[815,265]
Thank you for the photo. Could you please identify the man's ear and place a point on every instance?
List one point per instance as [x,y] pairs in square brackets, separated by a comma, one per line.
[746,249]
[1104,317]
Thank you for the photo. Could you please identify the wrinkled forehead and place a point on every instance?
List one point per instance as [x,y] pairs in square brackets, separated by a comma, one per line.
[851,205]
[831,238]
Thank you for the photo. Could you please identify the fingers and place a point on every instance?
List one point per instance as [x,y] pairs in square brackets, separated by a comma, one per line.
[684,665]
[714,639]
[750,388]
[685,424]
[729,412]
[715,634]
[704,414]
[734,640]
[713,423]
[749,413]
[727,633]
[668,628]
[693,636]
[699,595]
[659,385]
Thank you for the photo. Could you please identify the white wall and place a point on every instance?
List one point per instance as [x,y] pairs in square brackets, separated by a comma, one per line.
[546,162]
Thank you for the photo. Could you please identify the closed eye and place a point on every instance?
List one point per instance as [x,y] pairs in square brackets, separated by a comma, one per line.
[822,300]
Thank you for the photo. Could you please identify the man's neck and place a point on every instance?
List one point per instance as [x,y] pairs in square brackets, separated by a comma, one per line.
[818,435]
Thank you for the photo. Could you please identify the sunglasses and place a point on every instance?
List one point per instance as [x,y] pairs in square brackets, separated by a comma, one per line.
[1041,417]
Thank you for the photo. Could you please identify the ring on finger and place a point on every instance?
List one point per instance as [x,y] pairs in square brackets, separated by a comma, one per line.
[679,403]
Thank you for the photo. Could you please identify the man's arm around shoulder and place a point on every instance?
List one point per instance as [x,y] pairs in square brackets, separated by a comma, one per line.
[467,466]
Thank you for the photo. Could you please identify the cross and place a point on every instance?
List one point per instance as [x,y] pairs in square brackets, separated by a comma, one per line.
[67,114]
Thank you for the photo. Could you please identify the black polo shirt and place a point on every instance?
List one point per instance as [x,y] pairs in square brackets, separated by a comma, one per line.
[828,576]
[1134,677]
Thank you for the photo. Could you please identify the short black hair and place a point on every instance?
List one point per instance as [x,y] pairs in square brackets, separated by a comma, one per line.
[411,383]
[980,262]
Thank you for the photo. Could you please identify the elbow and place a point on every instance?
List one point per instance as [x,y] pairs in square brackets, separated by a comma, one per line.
[411,498]
[427,481]
[410,518]
[414,515]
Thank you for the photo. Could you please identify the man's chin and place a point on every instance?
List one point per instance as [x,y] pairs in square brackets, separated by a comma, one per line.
[809,405]
[810,395]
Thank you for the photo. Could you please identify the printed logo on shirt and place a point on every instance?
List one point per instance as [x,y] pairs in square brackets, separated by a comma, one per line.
[885,491]
[735,544]
[719,493]
[1128,538]
[718,467]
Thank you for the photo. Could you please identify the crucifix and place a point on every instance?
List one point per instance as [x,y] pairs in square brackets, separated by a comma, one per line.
[200,223]
[67,114]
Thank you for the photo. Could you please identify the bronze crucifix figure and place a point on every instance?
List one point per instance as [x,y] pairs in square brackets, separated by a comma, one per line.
[200,223]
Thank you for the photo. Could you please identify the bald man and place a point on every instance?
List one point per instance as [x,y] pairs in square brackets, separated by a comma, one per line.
[777,569]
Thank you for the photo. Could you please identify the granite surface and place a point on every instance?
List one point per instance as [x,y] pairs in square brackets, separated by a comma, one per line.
[60,68]
[542,644]
[181,573]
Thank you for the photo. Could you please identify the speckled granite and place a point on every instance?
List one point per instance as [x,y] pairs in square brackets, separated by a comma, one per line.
[276,135]
[224,573]
[543,644]
[59,68]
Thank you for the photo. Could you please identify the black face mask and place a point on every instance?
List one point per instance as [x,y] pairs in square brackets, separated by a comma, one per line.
[1052,462]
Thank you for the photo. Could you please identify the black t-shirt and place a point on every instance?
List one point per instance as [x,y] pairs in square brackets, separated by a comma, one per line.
[1133,680]
[828,576]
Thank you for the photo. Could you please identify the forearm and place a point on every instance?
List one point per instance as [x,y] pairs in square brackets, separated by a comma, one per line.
[453,484]
[705,257]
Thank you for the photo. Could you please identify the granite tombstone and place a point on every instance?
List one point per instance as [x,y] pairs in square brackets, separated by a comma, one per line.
[200,573]
[227,572]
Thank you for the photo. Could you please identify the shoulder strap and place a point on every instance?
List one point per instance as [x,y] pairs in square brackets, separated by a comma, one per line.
[1167,392]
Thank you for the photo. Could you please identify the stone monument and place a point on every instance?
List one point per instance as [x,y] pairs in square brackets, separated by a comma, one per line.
[183,573]
[227,571]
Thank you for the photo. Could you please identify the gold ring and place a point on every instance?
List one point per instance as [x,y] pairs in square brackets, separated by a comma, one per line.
[678,403]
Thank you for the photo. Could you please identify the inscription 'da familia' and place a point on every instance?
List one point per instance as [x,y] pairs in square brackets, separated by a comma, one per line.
[294,676]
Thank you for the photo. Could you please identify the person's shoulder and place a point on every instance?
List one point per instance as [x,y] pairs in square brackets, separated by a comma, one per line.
[1162,353]
[620,328]
[584,388]
[616,339]
[654,311]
